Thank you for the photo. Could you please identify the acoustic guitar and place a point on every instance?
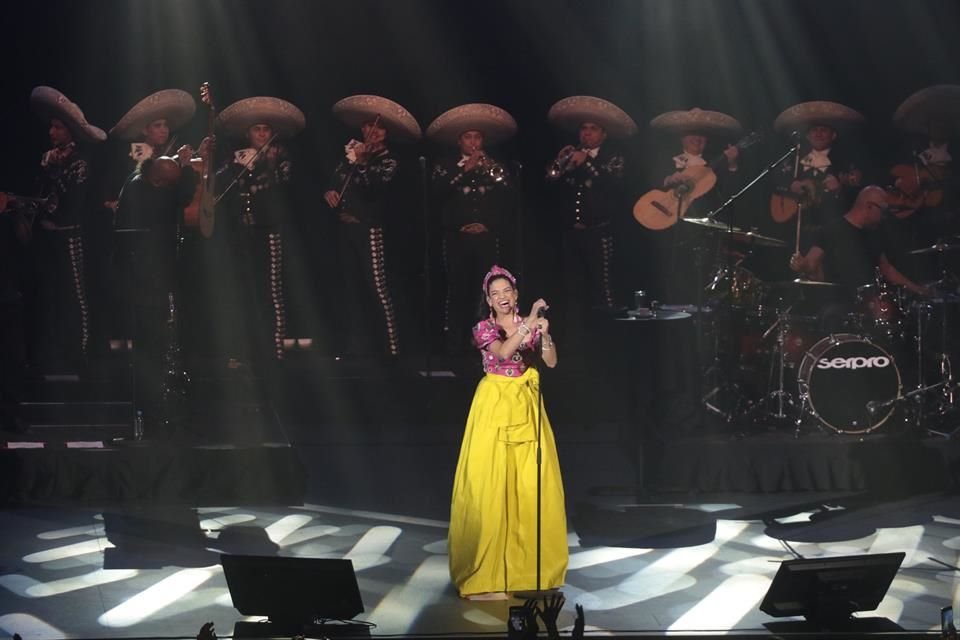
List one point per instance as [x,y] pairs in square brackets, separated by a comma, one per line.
[915,187]
[785,203]
[200,211]
[659,209]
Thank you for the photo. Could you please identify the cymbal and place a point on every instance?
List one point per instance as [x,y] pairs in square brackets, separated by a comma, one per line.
[736,233]
[939,247]
[757,239]
[803,282]
[709,223]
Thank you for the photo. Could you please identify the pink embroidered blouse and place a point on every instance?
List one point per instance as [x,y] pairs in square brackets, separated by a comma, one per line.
[486,332]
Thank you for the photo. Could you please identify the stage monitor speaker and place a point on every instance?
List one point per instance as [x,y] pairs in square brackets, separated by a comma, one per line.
[292,590]
[828,590]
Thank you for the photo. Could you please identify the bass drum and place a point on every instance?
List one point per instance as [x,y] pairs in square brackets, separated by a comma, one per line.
[841,376]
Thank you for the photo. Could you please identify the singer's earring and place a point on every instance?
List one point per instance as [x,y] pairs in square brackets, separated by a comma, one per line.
[492,316]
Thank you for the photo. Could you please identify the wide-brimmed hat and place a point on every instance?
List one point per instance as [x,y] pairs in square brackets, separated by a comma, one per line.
[494,123]
[698,121]
[285,119]
[570,113]
[802,116]
[399,123]
[939,102]
[173,105]
[48,103]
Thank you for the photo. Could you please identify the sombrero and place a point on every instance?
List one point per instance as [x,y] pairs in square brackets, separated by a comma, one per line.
[819,112]
[356,110]
[710,123]
[572,112]
[939,102]
[494,123]
[174,105]
[285,119]
[50,103]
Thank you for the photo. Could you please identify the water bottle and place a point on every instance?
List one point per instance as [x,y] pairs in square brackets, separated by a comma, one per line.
[138,426]
[639,300]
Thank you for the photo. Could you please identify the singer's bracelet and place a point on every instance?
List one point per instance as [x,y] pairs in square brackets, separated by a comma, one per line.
[546,346]
[523,329]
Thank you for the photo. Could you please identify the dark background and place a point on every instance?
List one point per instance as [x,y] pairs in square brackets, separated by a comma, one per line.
[749,58]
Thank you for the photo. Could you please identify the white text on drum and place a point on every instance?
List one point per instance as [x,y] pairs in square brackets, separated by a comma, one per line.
[857,362]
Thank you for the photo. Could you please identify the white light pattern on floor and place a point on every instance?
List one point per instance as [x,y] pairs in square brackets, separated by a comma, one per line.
[156,597]
[640,575]
[601,555]
[96,545]
[397,611]
[670,572]
[285,526]
[370,550]
[906,539]
[307,533]
[69,532]
[221,522]
[725,606]
[29,627]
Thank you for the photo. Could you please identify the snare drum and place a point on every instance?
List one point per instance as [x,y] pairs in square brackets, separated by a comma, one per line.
[847,381]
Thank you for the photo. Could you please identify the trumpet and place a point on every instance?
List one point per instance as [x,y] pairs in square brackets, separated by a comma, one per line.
[493,168]
[564,161]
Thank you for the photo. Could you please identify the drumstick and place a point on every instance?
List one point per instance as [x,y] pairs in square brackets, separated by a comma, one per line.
[796,248]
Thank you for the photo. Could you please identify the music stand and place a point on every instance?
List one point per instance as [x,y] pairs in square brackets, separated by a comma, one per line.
[827,590]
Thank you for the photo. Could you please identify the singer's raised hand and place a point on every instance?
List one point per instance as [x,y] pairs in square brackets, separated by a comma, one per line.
[538,304]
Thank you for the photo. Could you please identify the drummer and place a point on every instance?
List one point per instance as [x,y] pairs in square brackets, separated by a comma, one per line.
[848,251]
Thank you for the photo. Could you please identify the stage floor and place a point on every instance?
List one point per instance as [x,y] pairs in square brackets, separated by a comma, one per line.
[60,576]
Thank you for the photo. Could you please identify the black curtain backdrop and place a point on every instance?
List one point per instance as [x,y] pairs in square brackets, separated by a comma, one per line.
[749,58]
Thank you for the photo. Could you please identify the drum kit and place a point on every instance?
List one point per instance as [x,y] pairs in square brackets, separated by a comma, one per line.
[812,354]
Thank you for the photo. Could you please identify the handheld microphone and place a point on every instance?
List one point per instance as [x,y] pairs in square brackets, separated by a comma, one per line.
[542,312]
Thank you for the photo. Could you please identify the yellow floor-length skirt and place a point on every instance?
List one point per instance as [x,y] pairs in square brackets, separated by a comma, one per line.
[493,521]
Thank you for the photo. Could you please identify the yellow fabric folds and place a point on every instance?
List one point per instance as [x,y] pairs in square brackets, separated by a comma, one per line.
[493,513]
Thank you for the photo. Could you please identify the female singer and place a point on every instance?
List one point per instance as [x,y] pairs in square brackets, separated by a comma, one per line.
[493,513]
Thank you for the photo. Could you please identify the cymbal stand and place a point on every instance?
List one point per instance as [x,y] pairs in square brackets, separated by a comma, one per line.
[780,396]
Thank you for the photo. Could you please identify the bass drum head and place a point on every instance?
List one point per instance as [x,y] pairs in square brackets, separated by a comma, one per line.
[841,374]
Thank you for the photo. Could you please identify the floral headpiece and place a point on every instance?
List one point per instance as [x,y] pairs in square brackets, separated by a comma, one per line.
[497,272]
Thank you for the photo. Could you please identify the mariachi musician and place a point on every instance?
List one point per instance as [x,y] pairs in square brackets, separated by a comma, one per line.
[588,196]
[62,313]
[360,194]
[925,184]
[819,183]
[696,185]
[149,217]
[147,128]
[472,190]
[255,184]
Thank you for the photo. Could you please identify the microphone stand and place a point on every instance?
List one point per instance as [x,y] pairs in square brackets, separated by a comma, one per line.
[760,176]
[730,227]
[538,593]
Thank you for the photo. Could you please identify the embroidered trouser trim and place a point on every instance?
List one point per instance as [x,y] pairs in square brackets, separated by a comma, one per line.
[379,273]
[75,254]
[277,302]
